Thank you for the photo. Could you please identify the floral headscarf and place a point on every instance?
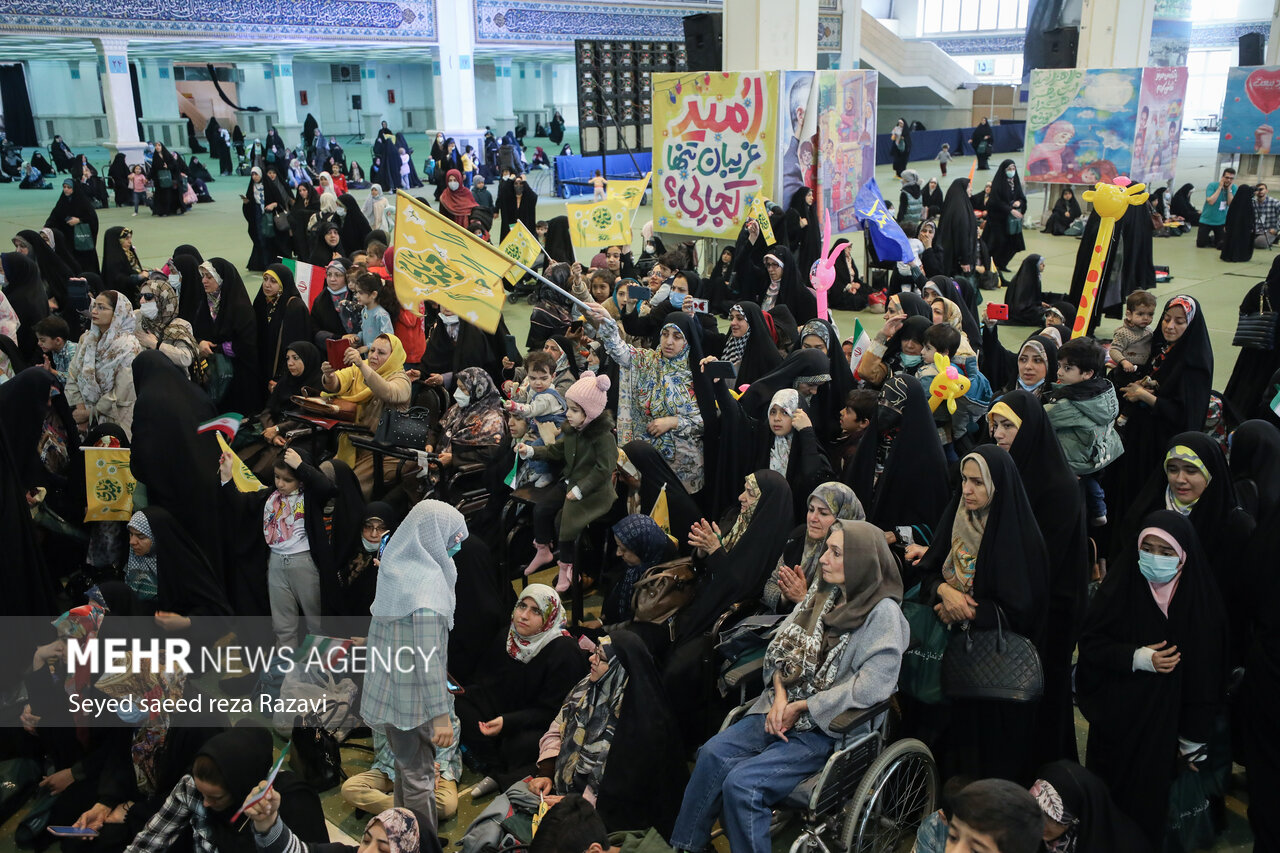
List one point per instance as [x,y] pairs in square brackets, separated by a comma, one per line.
[479,423]
[166,326]
[966,533]
[103,354]
[401,828]
[82,623]
[155,686]
[525,649]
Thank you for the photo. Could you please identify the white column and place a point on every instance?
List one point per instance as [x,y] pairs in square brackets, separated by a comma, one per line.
[770,35]
[456,109]
[503,111]
[1273,39]
[161,120]
[287,124]
[1115,33]
[374,108]
[851,34]
[117,92]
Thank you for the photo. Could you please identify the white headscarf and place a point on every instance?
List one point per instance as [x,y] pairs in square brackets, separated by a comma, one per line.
[788,399]
[525,649]
[416,571]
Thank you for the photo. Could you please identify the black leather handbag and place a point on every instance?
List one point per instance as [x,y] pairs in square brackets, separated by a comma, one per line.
[315,756]
[992,664]
[1257,331]
[403,429]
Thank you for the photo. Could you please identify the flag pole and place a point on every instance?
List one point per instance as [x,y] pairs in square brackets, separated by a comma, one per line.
[551,284]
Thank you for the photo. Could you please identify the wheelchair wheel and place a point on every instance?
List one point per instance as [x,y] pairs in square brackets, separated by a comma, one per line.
[898,791]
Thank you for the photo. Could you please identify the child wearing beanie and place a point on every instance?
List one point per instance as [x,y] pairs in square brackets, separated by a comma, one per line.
[589,452]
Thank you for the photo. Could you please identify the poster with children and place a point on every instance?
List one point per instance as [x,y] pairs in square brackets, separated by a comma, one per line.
[846,110]
[1159,126]
[1082,125]
[714,136]
[795,160]
[1250,111]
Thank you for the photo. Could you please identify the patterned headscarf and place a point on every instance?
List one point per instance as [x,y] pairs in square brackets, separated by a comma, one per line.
[166,325]
[966,533]
[103,354]
[735,347]
[155,686]
[819,330]
[140,572]
[481,422]
[401,828]
[1186,303]
[587,721]
[788,400]
[81,623]
[844,505]
[743,520]
[1185,454]
[525,649]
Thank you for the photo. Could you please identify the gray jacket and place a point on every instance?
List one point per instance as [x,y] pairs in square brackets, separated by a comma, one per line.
[868,668]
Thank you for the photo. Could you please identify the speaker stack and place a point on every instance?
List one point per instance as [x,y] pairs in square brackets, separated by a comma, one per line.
[614,83]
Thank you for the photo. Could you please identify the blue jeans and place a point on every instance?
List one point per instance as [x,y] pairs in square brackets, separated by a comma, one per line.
[742,772]
[139,198]
[1095,500]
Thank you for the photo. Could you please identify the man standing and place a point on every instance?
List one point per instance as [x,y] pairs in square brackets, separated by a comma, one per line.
[1266,218]
[1213,218]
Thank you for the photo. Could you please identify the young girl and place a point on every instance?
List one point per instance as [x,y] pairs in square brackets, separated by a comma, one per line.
[138,183]
[404,168]
[374,319]
[541,405]
[589,453]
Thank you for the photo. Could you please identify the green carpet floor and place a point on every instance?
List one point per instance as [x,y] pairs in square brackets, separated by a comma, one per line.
[219,229]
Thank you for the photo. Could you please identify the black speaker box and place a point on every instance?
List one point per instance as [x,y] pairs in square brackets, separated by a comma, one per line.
[703,35]
[1060,47]
[1252,49]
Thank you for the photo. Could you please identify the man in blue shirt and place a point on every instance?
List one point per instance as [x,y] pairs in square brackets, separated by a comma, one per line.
[1213,219]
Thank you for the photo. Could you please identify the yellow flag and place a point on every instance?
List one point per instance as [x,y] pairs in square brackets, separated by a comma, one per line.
[522,246]
[108,483]
[438,259]
[761,216]
[661,514]
[630,193]
[244,478]
[599,223]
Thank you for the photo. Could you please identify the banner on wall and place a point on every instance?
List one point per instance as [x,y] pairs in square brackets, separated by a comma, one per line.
[846,122]
[1250,111]
[795,165]
[1085,126]
[715,134]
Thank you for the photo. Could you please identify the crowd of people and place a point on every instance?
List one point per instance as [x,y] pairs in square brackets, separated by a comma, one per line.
[1097,499]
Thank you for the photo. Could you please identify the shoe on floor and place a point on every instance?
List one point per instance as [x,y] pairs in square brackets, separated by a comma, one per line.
[486,786]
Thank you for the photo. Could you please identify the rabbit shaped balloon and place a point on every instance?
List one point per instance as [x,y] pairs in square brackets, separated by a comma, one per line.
[823,273]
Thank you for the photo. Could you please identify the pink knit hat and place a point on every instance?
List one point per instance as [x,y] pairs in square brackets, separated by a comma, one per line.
[591,393]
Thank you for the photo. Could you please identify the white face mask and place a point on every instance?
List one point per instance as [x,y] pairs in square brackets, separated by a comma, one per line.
[175,280]
[449,319]
[370,547]
[150,310]
[463,398]
[1011,172]
[453,185]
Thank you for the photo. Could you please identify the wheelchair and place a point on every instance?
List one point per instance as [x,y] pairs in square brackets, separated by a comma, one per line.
[870,796]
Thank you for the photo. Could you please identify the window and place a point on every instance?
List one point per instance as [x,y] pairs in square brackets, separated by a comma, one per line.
[973,16]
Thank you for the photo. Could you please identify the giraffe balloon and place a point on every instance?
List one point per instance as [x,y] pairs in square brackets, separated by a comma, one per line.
[1111,201]
[823,272]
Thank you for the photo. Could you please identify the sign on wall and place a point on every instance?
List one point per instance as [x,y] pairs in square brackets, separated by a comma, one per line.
[846,117]
[715,134]
[1250,111]
[1085,126]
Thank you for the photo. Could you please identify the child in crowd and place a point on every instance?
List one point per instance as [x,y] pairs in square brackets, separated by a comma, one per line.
[404,168]
[944,157]
[543,410]
[293,580]
[138,183]
[468,165]
[597,186]
[374,319]
[995,815]
[855,417]
[52,333]
[589,451]
[1131,343]
[1082,408]
[943,339]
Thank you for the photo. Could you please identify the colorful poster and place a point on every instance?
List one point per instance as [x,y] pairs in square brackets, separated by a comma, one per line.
[1159,126]
[715,135]
[797,127]
[846,110]
[1250,111]
[1082,125]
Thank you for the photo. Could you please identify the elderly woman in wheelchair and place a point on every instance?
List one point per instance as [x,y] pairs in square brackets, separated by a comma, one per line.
[840,650]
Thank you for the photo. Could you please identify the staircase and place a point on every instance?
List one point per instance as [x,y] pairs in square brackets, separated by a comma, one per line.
[933,77]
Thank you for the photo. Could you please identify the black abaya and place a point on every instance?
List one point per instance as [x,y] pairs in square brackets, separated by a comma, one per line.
[1025,295]
[1006,192]
[1128,267]
[1237,245]
[76,205]
[25,292]
[1249,389]
[278,323]
[236,325]
[957,234]
[1065,211]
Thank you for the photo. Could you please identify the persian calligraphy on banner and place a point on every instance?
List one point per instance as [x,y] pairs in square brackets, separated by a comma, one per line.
[846,119]
[108,484]
[630,192]
[716,134]
[599,223]
[761,215]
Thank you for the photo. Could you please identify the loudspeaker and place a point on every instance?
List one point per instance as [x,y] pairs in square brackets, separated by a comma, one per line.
[703,35]
[1252,49]
[1060,47]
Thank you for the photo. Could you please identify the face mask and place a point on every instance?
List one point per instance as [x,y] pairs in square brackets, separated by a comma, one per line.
[648,247]
[175,280]
[449,319]
[887,418]
[676,299]
[150,310]
[1158,568]
[453,185]
[454,549]
[135,716]
[370,547]
[1011,172]
[463,398]
[911,360]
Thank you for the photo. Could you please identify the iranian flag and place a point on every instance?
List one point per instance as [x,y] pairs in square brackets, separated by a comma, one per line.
[228,425]
[308,277]
[861,343]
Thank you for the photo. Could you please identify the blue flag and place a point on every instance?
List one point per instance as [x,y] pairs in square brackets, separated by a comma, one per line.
[890,242]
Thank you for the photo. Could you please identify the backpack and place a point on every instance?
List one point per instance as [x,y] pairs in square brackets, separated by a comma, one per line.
[914,209]
[663,590]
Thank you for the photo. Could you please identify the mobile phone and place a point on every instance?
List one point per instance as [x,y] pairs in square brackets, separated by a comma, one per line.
[73,832]
[513,351]
[638,292]
[386,537]
[698,306]
[575,326]
[997,311]
[719,369]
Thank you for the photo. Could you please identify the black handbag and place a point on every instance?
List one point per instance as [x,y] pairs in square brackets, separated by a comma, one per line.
[403,429]
[1257,331]
[315,755]
[992,664]
[164,179]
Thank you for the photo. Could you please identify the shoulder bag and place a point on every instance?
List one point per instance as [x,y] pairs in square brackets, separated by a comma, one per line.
[992,664]
[1257,330]
[335,408]
[663,590]
[403,429]
[1015,225]
[82,237]
[164,179]
[921,676]
[315,756]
